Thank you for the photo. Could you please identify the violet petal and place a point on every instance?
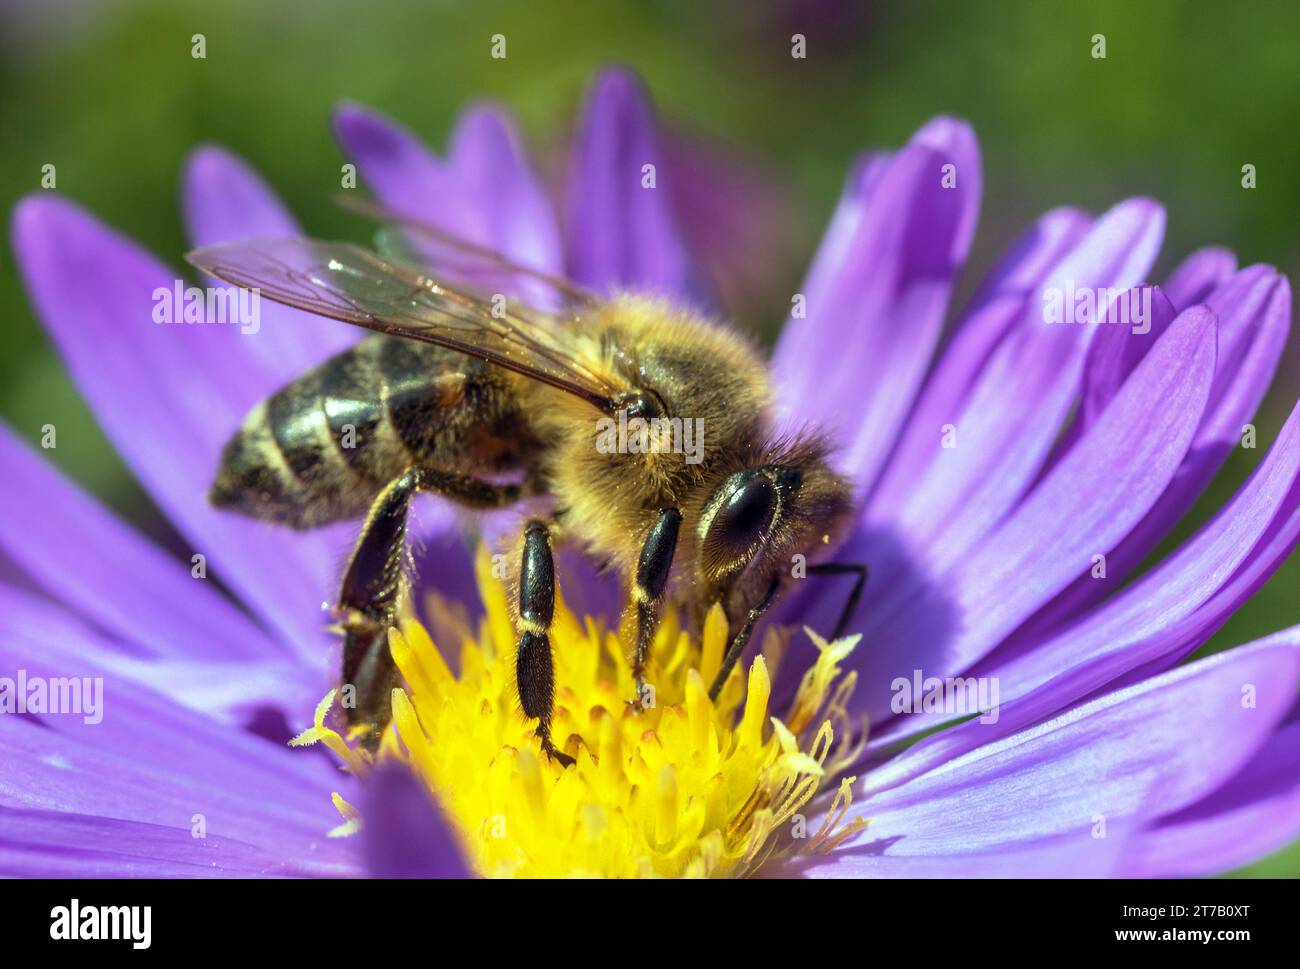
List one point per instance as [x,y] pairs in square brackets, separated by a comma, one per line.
[621,233]
[84,555]
[405,834]
[1132,755]
[169,396]
[875,297]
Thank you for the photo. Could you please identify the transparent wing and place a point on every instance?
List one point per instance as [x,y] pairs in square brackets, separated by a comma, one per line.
[349,283]
[482,267]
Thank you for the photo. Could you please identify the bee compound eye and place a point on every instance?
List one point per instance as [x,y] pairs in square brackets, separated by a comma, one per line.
[745,514]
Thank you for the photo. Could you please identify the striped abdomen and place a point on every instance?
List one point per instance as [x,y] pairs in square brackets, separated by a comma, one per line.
[322,448]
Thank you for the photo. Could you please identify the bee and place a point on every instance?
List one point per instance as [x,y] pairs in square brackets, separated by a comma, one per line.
[643,429]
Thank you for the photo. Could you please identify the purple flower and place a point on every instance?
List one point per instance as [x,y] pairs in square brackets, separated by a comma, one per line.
[1011,481]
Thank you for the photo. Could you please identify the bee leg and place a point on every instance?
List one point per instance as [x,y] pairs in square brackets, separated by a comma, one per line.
[739,641]
[375,581]
[534,665]
[850,606]
[652,571]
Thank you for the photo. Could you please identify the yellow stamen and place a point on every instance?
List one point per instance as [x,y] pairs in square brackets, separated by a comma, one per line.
[688,787]
[356,761]
[351,817]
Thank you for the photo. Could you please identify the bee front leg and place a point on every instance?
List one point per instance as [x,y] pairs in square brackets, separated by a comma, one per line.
[741,639]
[850,607]
[652,571]
[534,664]
[375,581]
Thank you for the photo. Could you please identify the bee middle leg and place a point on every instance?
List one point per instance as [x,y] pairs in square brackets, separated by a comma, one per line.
[534,664]
[375,581]
[652,571]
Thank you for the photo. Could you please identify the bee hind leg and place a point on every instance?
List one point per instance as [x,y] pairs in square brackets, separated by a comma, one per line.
[375,581]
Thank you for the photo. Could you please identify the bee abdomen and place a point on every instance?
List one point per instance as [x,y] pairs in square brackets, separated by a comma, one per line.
[282,466]
[323,447]
[351,400]
[250,478]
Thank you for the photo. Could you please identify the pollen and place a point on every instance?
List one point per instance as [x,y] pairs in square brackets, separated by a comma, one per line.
[686,787]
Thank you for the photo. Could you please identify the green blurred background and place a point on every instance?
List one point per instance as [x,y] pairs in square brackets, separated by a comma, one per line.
[1188,93]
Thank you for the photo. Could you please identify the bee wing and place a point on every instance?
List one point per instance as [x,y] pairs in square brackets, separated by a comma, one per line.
[346,282]
[422,243]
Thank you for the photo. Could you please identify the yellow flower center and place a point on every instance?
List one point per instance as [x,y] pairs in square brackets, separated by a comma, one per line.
[686,787]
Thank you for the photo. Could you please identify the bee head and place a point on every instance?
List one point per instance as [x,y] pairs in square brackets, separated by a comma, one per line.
[759,517]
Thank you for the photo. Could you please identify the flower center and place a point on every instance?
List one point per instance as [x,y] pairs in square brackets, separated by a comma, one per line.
[686,787]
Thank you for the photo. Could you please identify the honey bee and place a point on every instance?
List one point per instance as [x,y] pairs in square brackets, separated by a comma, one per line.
[488,401]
